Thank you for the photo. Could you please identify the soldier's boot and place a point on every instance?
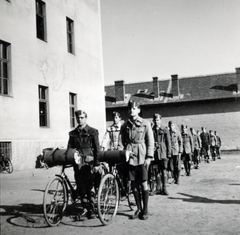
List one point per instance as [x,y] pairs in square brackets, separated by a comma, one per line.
[177,177]
[90,208]
[189,168]
[137,197]
[145,196]
[164,185]
[186,167]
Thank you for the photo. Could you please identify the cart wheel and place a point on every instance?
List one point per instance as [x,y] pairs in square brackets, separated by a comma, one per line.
[130,197]
[108,198]
[8,165]
[54,201]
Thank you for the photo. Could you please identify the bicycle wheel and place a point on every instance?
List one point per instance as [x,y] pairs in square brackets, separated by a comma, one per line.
[8,165]
[130,197]
[108,198]
[54,201]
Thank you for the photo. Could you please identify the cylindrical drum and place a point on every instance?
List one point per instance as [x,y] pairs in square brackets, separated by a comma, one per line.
[59,157]
[113,156]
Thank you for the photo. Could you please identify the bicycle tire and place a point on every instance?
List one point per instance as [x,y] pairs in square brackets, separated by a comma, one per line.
[108,199]
[54,201]
[8,165]
[130,197]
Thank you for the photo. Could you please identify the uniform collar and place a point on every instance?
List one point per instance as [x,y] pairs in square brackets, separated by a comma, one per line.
[137,122]
[84,129]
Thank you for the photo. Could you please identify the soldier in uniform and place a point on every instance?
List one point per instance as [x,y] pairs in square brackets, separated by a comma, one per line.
[162,154]
[110,138]
[213,142]
[86,140]
[136,136]
[110,142]
[187,149]
[205,144]
[218,145]
[196,147]
[176,151]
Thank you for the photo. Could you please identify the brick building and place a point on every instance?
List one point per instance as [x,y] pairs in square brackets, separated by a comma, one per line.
[50,65]
[212,101]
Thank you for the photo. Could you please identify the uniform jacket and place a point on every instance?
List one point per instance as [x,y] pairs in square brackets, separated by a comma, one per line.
[162,143]
[205,138]
[137,137]
[218,144]
[110,138]
[176,142]
[86,141]
[196,141]
[213,140]
[187,143]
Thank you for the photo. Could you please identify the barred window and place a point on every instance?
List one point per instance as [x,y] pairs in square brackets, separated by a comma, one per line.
[4,68]
[6,149]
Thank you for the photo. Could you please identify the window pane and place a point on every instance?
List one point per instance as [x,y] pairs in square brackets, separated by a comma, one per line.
[4,51]
[5,70]
[5,86]
[40,27]
[43,113]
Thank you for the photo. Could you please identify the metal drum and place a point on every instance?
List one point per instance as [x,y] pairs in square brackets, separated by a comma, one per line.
[113,156]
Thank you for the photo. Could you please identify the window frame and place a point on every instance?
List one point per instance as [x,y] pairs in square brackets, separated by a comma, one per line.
[72,108]
[70,36]
[5,59]
[41,16]
[43,97]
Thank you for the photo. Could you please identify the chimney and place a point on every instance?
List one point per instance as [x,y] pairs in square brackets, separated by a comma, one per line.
[175,85]
[238,78]
[119,90]
[155,87]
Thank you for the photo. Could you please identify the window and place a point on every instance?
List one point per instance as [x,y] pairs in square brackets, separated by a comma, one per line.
[70,35]
[43,106]
[73,107]
[4,68]
[41,20]
[6,149]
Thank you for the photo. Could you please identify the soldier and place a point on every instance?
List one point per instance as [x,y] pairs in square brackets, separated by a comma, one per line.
[110,138]
[85,139]
[110,142]
[196,147]
[218,145]
[162,154]
[176,151]
[205,144]
[213,142]
[136,136]
[187,149]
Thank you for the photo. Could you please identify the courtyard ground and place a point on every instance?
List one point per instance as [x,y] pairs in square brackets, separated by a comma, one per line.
[207,202]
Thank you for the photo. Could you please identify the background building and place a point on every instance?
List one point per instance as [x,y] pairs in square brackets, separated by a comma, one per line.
[211,101]
[50,65]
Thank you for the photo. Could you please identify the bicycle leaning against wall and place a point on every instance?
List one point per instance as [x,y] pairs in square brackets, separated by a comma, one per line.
[6,164]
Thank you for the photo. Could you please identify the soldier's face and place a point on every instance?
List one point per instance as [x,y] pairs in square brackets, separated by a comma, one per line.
[116,119]
[157,121]
[134,111]
[81,119]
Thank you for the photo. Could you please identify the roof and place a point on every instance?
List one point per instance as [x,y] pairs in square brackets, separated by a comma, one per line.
[199,88]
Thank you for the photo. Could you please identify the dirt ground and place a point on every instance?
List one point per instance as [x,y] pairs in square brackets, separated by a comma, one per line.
[207,202]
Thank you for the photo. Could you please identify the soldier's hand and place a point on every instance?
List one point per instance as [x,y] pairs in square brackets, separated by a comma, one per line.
[147,162]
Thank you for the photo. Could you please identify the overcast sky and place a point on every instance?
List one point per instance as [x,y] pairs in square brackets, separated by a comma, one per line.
[157,38]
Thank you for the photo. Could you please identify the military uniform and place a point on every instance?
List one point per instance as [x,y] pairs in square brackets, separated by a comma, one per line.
[205,145]
[86,141]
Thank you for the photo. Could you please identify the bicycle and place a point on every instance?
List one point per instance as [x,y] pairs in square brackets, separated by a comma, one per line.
[6,164]
[58,193]
[108,198]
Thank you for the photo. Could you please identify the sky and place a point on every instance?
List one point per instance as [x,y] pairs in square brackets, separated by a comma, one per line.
[157,38]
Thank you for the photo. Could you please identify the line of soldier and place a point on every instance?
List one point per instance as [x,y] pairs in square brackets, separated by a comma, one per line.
[154,149]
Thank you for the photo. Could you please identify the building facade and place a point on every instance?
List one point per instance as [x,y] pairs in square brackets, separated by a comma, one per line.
[50,65]
[211,101]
